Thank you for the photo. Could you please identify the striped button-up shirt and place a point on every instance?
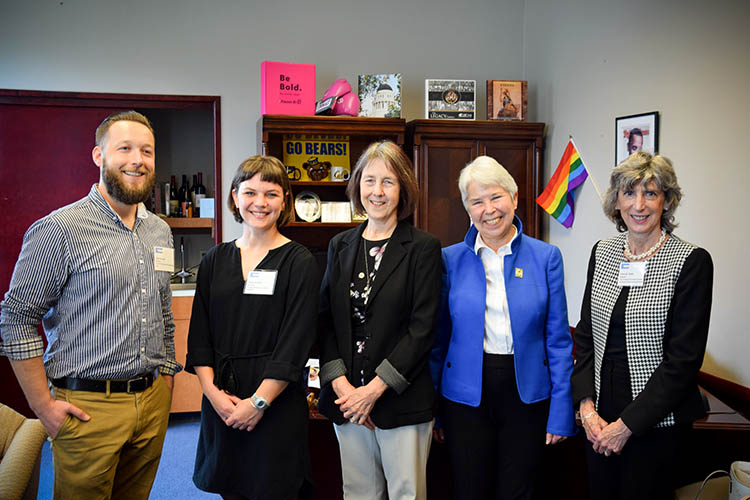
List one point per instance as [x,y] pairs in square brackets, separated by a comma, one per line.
[91,281]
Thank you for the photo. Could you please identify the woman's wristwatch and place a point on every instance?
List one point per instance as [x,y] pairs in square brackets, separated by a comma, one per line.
[259,402]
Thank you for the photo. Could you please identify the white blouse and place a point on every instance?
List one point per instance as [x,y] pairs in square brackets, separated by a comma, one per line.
[498,338]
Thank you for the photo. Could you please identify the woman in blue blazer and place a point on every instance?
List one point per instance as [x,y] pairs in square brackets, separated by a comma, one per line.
[503,355]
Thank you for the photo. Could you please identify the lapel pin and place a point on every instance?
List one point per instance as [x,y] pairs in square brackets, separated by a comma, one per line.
[519,272]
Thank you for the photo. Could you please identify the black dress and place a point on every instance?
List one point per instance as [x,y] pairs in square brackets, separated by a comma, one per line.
[247,338]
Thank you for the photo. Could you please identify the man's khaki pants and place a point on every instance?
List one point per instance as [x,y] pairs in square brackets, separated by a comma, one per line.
[116,453]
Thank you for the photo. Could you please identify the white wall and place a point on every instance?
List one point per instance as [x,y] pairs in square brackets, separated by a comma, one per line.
[200,47]
[690,61]
[589,61]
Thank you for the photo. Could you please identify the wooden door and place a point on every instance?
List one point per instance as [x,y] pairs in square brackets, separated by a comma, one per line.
[518,158]
[45,163]
[441,211]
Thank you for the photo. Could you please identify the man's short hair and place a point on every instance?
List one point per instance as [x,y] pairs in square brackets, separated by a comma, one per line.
[128,116]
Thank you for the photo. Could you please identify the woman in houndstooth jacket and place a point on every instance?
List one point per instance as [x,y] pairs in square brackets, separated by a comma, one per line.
[642,336]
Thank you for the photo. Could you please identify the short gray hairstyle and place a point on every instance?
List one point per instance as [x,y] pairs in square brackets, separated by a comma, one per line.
[642,168]
[485,171]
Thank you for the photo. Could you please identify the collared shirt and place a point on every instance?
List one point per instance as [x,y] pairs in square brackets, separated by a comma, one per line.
[498,338]
[90,280]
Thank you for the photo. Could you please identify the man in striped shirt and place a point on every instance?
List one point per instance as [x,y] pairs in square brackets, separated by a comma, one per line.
[96,275]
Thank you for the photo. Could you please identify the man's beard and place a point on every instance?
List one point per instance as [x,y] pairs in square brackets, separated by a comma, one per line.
[122,193]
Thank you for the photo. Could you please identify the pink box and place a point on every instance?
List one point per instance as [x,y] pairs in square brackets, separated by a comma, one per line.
[287,88]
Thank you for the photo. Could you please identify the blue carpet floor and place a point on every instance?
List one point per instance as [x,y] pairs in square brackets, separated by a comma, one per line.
[174,479]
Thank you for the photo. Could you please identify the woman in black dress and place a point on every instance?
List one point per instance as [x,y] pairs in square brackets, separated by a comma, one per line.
[251,330]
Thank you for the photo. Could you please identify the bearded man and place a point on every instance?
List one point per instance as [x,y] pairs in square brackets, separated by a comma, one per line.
[96,274]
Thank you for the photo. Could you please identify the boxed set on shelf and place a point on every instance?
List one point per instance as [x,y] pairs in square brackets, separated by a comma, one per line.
[451,99]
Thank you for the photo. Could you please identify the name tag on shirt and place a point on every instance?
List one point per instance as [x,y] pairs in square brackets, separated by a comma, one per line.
[164,259]
[632,274]
[260,282]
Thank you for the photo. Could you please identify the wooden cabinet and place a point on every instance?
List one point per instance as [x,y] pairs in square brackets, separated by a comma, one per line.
[441,148]
[361,132]
[187,394]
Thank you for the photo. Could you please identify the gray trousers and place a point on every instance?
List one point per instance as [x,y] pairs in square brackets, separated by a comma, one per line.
[384,464]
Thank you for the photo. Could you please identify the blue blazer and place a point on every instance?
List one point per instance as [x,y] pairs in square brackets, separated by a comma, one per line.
[542,345]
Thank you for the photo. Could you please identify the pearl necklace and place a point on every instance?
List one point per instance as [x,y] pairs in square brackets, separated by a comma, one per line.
[648,252]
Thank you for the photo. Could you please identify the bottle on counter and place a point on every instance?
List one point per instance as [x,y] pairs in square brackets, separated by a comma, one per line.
[199,192]
[174,202]
[165,198]
[183,195]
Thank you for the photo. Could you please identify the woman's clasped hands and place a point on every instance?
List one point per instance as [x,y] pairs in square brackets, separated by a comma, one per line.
[606,438]
[235,412]
[356,403]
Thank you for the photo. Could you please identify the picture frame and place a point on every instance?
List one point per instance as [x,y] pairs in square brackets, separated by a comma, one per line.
[380,95]
[507,100]
[335,211]
[636,133]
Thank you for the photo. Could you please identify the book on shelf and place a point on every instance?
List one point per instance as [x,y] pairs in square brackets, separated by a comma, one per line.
[450,99]
[287,88]
[380,95]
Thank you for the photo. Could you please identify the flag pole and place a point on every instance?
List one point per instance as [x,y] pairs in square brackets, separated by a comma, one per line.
[596,188]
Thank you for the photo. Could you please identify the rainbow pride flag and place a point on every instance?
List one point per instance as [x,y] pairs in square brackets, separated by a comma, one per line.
[557,198]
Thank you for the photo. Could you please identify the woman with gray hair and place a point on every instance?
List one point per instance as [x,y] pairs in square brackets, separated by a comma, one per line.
[642,336]
[378,303]
[502,360]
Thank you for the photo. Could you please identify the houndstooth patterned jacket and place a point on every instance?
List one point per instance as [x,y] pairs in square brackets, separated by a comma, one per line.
[645,312]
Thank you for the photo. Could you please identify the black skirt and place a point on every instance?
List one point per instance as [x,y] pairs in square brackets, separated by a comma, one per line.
[269,462]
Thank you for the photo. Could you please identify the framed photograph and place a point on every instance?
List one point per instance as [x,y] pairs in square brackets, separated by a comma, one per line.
[380,95]
[506,100]
[335,211]
[450,99]
[636,133]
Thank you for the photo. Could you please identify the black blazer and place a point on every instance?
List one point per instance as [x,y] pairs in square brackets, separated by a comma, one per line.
[401,313]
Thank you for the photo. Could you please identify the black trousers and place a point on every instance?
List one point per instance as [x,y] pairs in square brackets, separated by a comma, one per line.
[645,468]
[496,448]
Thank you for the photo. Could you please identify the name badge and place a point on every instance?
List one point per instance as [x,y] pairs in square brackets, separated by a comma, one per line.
[260,282]
[632,274]
[164,259]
